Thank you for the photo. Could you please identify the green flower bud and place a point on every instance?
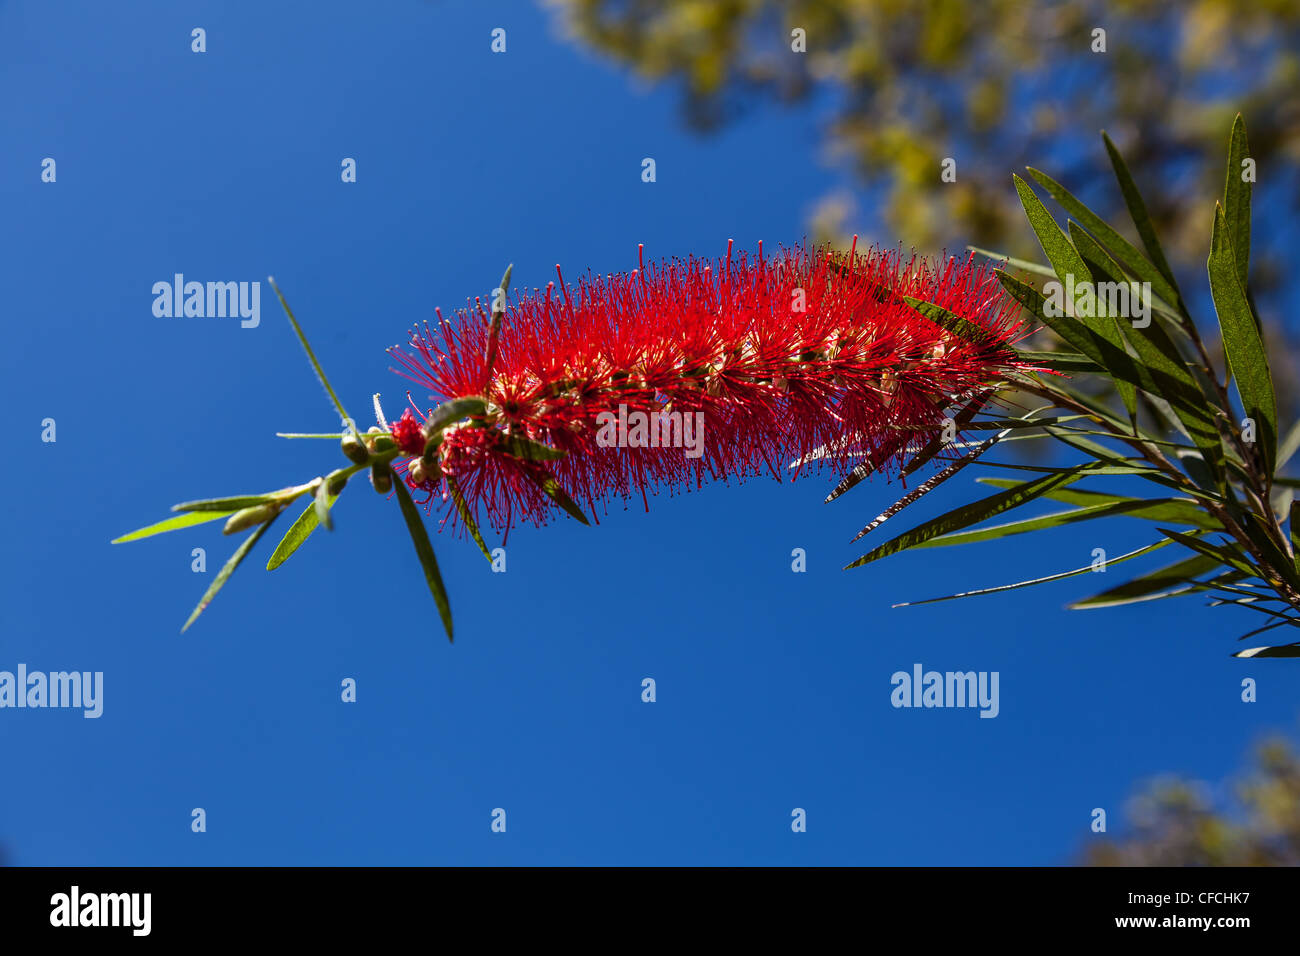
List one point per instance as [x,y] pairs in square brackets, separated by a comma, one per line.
[354,449]
[248,517]
[381,478]
[416,469]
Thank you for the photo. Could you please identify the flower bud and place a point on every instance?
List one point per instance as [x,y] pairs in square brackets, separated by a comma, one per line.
[416,471]
[248,517]
[354,449]
[381,478]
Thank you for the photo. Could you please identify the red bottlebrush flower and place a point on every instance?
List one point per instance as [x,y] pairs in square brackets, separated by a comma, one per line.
[691,369]
[408,434]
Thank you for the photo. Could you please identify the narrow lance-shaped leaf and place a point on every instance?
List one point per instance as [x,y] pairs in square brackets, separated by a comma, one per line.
[1168,581]
[187,520]
[1283,650]
[1241,342]
[311,357]
[1160,509]
[970,514]
[1137,210]
[1073,273]
[1123,250]
[424,549]
[927,486]
[467,516]
[226,571]
[1044,580]
[529,450]
[547,484]
[298,532]
[1227,554]
[1236,199]
[453,410]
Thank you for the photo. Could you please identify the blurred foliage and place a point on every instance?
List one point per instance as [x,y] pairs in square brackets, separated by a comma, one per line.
[1175,822]
[996,85]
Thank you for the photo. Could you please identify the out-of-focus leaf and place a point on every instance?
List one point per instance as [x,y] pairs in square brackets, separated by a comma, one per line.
[187,520]
[322,501]
[1023,265]
[1061,361]
[452,411]
[227,570]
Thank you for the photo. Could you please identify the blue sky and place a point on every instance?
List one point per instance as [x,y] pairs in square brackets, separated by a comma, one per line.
[772,687]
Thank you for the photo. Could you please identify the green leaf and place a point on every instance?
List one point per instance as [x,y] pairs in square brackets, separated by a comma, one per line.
[1294,534]
[298,532]
[551,488]
[1290,445]
[238,503]
[322,502]
[1024,265]
[864,468]
[930,484]
[227,570]
[1241,342]
[1236,200]
[1142,220]
[970,514]
[1073,272]
[1283,650]
[937,444]
[173,524]
[1061,361]
[467,516]
[1123,250]
[1121,366]
[452,411]
[1230,555]
[311,356]
[1153,586]
[1044,580]
[529,450]
[423,548]
[963,328]
[1160,509]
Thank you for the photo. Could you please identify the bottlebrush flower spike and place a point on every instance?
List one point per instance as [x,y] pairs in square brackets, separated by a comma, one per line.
[694,369]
